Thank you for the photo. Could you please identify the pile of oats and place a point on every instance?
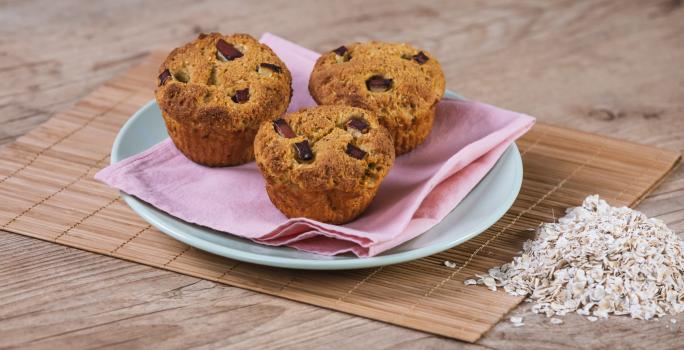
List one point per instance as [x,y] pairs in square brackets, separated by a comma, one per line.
[595,261]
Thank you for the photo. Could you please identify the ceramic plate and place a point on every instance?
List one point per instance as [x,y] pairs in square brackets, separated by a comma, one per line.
[480,209]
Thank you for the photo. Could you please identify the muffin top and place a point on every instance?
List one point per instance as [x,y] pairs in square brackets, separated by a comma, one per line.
[323,148]
[233,82]
[396,81]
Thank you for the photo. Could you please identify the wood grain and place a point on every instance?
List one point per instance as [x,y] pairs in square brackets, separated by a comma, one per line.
[612,67]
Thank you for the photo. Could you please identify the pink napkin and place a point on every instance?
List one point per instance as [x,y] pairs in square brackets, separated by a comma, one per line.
[421,189]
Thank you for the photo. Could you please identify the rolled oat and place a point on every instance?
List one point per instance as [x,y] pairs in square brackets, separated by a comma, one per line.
[598,260]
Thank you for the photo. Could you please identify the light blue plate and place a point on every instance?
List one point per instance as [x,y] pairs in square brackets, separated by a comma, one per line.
[480,209]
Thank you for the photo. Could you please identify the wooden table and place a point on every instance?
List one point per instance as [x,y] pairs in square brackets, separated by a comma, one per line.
[611,67]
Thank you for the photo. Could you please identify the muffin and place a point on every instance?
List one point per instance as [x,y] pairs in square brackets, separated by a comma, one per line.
[324,163]
[399,83]
[215,92]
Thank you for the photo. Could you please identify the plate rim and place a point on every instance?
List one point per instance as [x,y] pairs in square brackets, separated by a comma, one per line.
[147,213]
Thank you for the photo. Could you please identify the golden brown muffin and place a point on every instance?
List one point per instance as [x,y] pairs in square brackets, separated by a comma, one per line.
[324,163]
[215,92]
[398,82]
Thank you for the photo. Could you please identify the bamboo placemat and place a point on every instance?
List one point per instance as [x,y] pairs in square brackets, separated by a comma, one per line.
[47,191]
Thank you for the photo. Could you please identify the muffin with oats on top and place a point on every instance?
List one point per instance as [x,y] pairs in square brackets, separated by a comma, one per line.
[215,92]
[324,163]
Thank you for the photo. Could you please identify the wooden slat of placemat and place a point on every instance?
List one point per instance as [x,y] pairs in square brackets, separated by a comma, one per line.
[47,192]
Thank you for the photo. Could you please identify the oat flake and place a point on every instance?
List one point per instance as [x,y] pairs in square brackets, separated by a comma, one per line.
[516,319]
[556,321]
[595,261]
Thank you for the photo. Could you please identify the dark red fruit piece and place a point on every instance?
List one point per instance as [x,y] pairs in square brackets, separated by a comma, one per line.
[283,128]
[303,149]
[420,57]
[340,51]
[272,67]
[241,96]
[378,83]
[164,76]
[359,124]
[355,151]
[227,51]
[202,35]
